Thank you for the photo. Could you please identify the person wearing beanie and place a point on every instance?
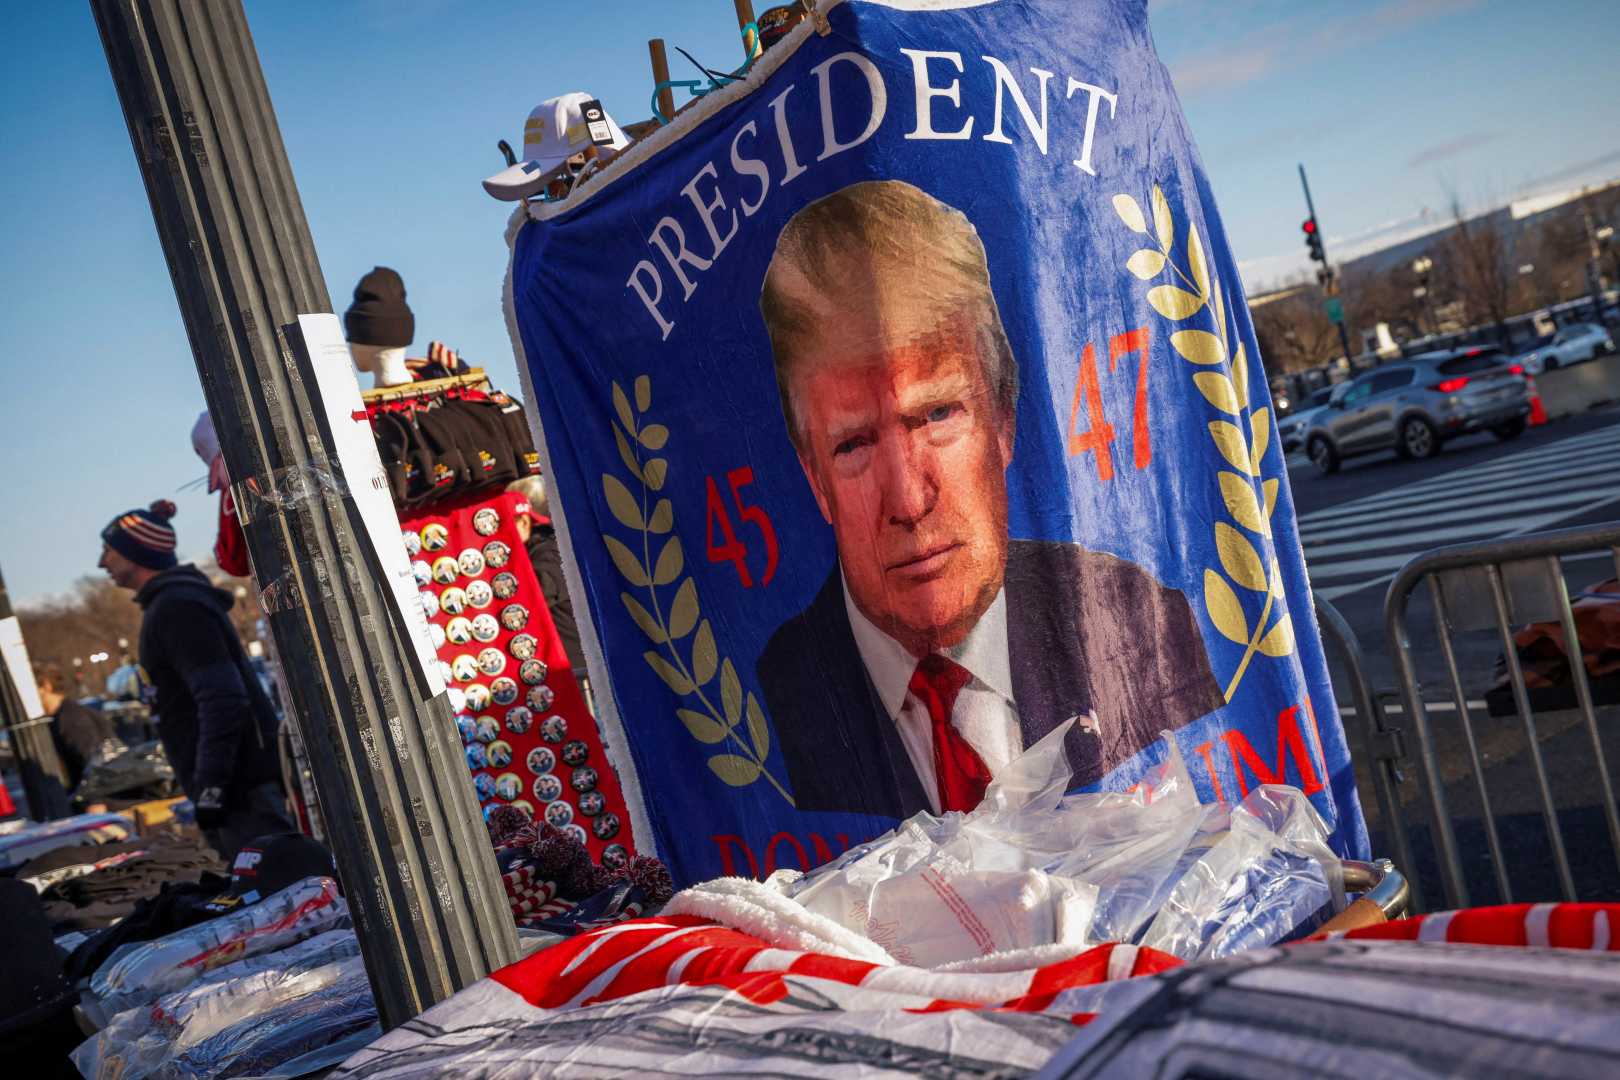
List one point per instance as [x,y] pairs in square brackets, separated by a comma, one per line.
[217,724]
[380,325]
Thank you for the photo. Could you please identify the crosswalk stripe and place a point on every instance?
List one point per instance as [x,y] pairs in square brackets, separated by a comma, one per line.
[1475,506]
[1460,487]
[1457,533]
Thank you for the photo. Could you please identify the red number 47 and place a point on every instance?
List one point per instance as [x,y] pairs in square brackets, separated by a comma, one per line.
[1098,438]
[730,549]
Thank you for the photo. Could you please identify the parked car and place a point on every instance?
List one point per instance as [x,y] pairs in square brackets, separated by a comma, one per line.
[1291,429]
[1571,345]
[1413,406]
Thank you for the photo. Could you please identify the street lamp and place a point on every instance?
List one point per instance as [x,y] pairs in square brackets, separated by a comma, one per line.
[1422,266]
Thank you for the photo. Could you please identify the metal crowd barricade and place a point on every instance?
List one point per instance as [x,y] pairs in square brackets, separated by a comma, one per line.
[1497,584]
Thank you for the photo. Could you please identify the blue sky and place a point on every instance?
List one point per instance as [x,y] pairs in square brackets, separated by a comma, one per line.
[391,109]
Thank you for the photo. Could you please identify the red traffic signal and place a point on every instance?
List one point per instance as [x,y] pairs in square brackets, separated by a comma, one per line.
[1309,228]
[1313,240]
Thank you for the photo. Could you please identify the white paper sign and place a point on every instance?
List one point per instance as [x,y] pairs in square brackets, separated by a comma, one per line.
[363,469]
[22,672]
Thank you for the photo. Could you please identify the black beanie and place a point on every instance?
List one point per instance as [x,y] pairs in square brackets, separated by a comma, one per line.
[379,315]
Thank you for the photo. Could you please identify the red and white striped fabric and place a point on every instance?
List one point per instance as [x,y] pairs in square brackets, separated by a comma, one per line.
[1593,927]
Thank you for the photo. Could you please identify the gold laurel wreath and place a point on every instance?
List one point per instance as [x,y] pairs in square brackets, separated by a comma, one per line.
[1226,387]
[687,675]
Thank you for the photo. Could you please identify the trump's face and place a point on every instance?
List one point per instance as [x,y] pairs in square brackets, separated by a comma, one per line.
[906,450]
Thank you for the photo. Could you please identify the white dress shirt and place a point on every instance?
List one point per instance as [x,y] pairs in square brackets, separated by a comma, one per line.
[984,713]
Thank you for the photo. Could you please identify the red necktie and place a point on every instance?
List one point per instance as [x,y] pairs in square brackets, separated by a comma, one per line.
[959,771]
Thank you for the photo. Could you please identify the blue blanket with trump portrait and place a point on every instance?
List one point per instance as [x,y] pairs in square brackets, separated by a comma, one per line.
[900,403]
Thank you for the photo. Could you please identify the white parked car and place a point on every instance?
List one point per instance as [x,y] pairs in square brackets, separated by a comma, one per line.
[1571,345]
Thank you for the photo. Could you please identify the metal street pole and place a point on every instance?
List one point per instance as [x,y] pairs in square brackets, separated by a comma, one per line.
[44,780]
[402,819]
[1344,336]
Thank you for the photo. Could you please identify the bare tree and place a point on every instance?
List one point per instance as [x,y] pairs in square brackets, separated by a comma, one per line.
[1480,259]
[1294,332]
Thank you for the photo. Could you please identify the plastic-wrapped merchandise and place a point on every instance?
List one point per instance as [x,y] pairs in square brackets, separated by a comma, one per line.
[139,973]
[116,769]
[36,838]
[1031,868]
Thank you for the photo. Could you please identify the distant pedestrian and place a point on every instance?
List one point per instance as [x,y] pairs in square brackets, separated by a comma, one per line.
[77,730]
[540,538]
[217,725]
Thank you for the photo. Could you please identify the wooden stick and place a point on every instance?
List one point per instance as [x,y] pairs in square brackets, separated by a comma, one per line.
[660,67]
[745,15]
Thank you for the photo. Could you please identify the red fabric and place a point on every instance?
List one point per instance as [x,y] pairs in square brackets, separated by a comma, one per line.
[7,807]
[959,771]
[230,546]
[1556,926]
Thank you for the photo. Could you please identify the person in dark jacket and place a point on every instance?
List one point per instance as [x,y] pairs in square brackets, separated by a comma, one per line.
[540,540]
[78,731]
[216,723]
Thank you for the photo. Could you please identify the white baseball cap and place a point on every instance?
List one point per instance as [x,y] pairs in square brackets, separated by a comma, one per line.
[556,130]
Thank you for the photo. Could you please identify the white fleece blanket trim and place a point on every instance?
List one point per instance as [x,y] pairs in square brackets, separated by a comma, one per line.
[749,906]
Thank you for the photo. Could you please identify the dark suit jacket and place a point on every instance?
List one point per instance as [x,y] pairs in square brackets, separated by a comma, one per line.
[1085,632]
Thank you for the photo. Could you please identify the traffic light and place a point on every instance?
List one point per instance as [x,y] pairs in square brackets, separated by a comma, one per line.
[1313,240]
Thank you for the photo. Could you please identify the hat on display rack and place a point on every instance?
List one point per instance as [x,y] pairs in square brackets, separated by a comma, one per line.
[556,133]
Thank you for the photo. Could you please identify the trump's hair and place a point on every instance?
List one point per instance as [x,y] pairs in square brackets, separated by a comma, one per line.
[887,226]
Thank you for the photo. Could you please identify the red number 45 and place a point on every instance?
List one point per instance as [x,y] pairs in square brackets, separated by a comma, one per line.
[730,549]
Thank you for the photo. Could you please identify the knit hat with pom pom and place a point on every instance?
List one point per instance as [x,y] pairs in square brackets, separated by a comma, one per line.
[144,537]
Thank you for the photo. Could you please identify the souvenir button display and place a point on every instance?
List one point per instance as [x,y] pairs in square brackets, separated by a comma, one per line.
[540,698]
[486,729]
[496,553]
[615,857]
[505,585]
[430,602]
[533,672]
[576,833]
[486,627]
[522,646]
[477,696]
[514,617]
[606,827]
[546,788]
[436,635]
[444,671]
[518,719]
[541,760]
[554,729]
[453,601]
[508,786]
[464,668]
[435,537]
[584,778]
[559,813]
[422,572]
[445,570]
[524,805]
[458,700]
[413,543]
[458,631]
[471,561]
[486,521]
[475,756]
[491,661]
[466,726]
[575,752]
[503,691]
[591,803]
[499,754]
[479,594]
[483,784]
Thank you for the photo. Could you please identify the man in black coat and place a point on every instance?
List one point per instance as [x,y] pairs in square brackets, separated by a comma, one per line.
[217,725]
[938,650]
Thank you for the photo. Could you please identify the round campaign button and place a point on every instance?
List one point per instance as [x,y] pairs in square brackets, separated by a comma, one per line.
[505,585]
[583,779]
[435,537]
[471,561]
[576,833]
[486,729]
[532,672]
[554,729]
[499,754]
[483,783]
[496,553]
[575,752]
[458,631]
[526,806]
[546,788]
[606,827]
[486,521]
[485,627]
[514,617]
[508,786]
[430,602]
[413,543]
[436,635]
[458,700]
[518,719]
[559,813]
[541,761]
[475,756]
[591,803]
[615,857]
[477,696]
[453,601]
[445,570]
[464,668]
[422,572]
[503,691]
[522,646]
[479,594]
[540,698]
[466,726]
[491,661]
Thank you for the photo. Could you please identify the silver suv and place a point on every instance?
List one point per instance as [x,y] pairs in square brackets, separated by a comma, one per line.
[1412,406]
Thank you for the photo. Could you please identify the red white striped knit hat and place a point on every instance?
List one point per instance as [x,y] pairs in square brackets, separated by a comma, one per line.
[144,537]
